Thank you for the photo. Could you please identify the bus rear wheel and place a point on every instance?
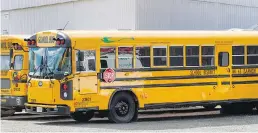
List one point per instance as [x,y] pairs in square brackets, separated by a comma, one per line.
[237,108]
[122,108]
[82,116]
[209,107]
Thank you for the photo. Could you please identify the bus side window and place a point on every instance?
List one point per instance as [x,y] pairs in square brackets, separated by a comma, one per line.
[223,59]
[125,57]
[160,56]
[108,57]
[208,56]
[176,56]
[192,56]
[142,57]
[252,55]
[103,64]
[238,56]
[85,60]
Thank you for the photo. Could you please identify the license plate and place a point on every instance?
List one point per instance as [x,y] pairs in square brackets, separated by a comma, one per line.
[39,109]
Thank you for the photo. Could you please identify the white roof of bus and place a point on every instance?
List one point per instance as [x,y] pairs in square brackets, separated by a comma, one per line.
[114,33]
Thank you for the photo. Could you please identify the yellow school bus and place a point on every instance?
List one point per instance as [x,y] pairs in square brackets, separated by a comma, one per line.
[116,73]
[14,70]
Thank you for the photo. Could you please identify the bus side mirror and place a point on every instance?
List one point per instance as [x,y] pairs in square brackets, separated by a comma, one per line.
[81,56]
[11,65]
[11,53]
[11,57]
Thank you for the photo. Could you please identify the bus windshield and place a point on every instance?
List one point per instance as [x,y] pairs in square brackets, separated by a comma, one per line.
[47,61]
[5,62]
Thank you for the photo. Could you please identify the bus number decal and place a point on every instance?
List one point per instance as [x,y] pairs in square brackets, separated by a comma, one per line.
[16,89]
[86,99]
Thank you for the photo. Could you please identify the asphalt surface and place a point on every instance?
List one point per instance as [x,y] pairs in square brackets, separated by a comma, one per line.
[193,120]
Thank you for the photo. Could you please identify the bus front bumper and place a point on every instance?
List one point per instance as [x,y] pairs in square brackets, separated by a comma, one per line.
[47,109]
[13,101]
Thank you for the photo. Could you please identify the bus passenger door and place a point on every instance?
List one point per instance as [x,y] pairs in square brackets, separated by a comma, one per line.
[86,65]
[224,71]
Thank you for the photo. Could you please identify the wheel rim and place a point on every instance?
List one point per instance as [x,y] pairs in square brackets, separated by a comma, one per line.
[122,108]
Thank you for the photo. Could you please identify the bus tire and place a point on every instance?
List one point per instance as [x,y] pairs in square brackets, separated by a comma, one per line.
[82,116]
[256,106]
[7,112]
[122,108]
[237,108]
[226,109]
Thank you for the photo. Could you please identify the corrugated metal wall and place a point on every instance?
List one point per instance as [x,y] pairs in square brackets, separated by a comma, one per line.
[82,14]
[30,16]
[196,14]
[20,4]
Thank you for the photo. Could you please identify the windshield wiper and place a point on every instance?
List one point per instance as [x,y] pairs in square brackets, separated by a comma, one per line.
[49,75]
[40,66]
[46,72]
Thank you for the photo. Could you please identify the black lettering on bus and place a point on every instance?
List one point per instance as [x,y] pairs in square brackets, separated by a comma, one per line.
[249,71]
[5,45]
[209,72]
[43,39]
[16,89]
[51,39]
[195,72]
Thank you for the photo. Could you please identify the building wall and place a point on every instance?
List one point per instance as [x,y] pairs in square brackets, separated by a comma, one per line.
[81,14]
[30,16]
[196,14]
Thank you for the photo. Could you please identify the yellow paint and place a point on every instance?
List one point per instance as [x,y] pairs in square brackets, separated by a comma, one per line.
[86,85]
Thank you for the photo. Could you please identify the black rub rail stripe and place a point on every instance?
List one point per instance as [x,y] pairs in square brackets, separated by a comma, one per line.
[245,82]
[241,82]
[199,103]
[244,75]
[172,77]
[225,83]
[165,69]
[160,85]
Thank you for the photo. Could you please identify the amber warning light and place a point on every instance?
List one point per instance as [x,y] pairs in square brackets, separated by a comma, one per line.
[59,41]
[30,42]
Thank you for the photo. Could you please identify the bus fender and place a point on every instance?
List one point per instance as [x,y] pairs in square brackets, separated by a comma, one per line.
[129,90]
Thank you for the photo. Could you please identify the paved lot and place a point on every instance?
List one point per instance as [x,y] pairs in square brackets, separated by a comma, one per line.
[193,120]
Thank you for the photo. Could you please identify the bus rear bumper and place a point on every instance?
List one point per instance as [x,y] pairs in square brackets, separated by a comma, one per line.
[47,109]
[13,101]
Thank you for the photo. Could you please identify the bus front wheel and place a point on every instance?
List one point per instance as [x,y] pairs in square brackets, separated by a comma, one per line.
[82,116]
[7,112]
[122,108]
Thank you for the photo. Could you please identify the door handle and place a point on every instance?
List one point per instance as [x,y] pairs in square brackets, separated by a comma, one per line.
[228,70]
